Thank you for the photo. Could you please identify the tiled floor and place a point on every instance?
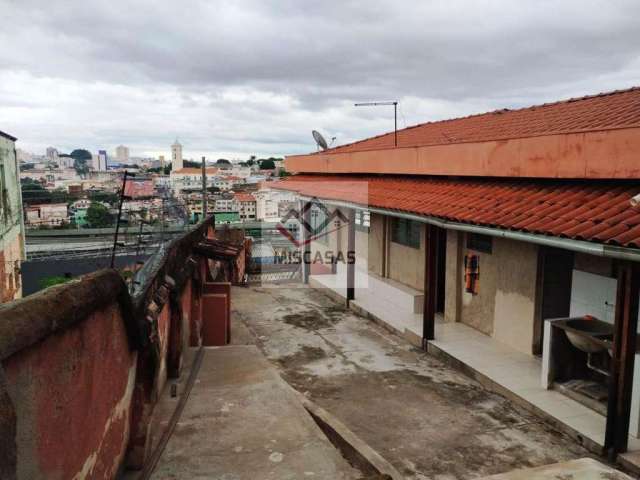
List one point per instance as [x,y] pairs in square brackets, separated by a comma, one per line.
[508,368]
[521,374]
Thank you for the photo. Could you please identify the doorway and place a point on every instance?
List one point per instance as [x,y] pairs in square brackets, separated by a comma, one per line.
[555,267]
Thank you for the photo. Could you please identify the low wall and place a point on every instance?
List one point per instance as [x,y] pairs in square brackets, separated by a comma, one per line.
[82,365]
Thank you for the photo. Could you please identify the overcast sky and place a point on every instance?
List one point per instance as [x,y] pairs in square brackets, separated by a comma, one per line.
[234,78]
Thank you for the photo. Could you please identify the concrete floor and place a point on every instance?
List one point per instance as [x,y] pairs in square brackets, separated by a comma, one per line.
[242,421]
[428,420]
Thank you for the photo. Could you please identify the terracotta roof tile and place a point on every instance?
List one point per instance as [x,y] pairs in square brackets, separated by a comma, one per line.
[593,211]
[618,109]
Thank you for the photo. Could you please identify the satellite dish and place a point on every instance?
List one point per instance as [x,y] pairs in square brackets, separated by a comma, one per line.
[320,141]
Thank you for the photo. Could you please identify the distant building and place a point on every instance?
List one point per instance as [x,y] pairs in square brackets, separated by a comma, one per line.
[139,187]
[176,156]
[191,178]
[46,214]
[246,206]
[228,182]
[271,204]
[52,153]
[102,161]
[122,154]
[11,224]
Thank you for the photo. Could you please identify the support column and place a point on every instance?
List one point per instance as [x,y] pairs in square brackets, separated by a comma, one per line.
[624,350]
[351,256]
[430,259]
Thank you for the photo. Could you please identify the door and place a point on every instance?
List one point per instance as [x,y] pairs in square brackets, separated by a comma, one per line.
[555,267]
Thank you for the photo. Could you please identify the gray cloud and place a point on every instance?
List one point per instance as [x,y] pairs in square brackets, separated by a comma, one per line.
[255,76]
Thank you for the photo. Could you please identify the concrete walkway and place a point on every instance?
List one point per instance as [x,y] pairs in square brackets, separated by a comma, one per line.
[242,421]
[427,419]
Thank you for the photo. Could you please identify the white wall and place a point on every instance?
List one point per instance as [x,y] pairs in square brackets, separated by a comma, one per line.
[594,295]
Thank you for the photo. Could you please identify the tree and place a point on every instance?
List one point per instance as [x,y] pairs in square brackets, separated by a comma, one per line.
[108,197]
[81,159]
[267,164]
[33,192]
[98,216]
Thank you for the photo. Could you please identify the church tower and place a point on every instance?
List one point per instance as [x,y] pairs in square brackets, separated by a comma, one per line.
[176,156]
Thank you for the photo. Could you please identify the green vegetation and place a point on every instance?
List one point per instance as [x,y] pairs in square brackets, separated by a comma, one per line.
[98,216]
[33,193]
[267,164]
[166,171]
[47,282]
[81,160]
[107,197]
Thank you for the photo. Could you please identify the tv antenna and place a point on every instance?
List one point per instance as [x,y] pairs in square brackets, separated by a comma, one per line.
[395,114]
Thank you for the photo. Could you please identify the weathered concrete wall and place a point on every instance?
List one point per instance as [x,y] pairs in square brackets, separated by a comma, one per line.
[11,225]
[82,365]
[406,264]
[505,303]
[72,393]
[515,294]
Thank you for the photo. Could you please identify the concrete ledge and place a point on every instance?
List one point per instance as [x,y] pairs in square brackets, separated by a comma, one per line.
[353,448]
[329,292]
[411,337]
[489,384]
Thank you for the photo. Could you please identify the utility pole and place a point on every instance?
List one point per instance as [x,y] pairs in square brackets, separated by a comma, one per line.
[204,189]
[395,115]
[115,237]
[164,198]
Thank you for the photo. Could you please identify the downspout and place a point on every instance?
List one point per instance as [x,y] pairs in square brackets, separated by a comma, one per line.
[598,249]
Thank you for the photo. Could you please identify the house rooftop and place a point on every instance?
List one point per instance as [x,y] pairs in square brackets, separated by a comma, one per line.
[604,111]
[244,197]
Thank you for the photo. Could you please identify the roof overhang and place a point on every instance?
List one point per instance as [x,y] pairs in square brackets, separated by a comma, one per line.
[577,216]
[590,248]
[607,154]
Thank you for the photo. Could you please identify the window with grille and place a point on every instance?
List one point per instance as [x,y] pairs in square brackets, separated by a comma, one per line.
[405,232]
[479,243]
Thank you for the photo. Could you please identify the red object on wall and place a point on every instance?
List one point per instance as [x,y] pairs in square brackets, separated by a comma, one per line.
[216,313]
[471,273]
[222,288]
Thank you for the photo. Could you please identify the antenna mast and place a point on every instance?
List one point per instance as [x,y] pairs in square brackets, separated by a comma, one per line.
[395,114]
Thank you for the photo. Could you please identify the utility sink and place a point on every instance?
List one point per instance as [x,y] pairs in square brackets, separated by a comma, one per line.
[588,334]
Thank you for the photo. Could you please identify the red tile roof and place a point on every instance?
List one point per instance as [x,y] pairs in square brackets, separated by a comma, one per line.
[593,211]
[605,111]
[244,197]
